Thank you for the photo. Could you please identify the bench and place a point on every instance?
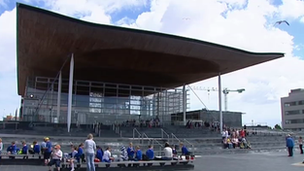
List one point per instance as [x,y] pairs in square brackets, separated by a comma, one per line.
[132,164]
[21,159]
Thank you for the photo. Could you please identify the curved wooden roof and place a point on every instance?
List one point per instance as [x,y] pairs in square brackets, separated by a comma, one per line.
[118,55]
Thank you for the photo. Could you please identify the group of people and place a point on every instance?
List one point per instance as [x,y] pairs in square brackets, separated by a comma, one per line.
[235,138]
[153,122]
[89,153]
[290,145]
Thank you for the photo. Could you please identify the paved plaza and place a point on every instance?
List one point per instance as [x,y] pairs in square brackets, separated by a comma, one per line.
[249,162]
[277,161]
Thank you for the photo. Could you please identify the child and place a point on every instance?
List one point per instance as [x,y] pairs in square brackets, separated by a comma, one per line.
[24,149]
[72,158]
[138,154]
[107,156]
[99,154]
[56,158]
[12,149]
[123,154]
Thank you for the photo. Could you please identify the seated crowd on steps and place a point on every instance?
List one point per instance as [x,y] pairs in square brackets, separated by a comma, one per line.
[149,123]
[53,155]
[235,139]
[213,126]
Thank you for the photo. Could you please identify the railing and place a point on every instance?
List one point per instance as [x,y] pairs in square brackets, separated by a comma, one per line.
[163,132]
[173,136]
[186,141]
[152,142]
[135,131]
[144,135]
[267,132]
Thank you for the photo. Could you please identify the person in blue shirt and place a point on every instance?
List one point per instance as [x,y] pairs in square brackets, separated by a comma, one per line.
[12,149]
[184,150]
[131,152]
[174,151]
[80,154]
[36,147]
[138,154]
[24,149]
[47,151]
[289,145]
[72,159]
[150,153]
[99,153]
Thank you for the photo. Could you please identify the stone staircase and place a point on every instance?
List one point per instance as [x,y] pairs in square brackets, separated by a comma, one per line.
[201,141]
[180,132]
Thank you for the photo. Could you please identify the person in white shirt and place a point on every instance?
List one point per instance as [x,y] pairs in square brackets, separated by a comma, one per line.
[1,147]
[56,158]
[235,142]
[224,134]
[90,148]
[168,152]
[107,156]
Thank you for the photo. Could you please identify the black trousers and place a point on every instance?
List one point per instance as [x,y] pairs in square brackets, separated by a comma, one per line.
[290,151]
[301,148]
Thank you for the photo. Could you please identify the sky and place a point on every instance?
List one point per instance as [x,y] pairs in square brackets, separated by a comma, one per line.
[244,24]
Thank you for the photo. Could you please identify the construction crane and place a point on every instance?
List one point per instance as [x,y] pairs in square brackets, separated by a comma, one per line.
[226,91]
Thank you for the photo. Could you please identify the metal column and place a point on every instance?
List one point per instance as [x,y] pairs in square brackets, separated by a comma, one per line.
[70,99]
[184,104]
[59,96]
[220,102]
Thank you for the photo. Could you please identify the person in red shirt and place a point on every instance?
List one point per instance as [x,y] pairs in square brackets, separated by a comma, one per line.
[242,133]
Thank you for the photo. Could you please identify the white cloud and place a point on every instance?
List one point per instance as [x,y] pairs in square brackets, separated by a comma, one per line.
[250,28]
[302,20]
[92,10]
[291,9]
[8,80]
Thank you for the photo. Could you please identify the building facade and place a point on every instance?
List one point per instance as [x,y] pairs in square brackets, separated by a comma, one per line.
[106,103]
[293,110]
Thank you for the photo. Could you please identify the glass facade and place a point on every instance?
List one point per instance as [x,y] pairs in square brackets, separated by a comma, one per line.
[98,102]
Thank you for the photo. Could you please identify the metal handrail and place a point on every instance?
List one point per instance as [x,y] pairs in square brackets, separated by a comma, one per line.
[173,136]
[136,131]
[142,137]
[188,143]
[152,141]
[160,146]
[164,132]
[157,142]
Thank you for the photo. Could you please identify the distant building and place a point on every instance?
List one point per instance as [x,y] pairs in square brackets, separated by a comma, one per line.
[293,110]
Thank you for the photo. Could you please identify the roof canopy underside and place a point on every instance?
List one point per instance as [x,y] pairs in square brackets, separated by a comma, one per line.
[118,55]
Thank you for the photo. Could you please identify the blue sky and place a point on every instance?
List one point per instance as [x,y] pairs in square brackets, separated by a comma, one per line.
[245,24]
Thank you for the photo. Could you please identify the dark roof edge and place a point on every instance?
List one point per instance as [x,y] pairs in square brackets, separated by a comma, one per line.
[17,61]
[21,5]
